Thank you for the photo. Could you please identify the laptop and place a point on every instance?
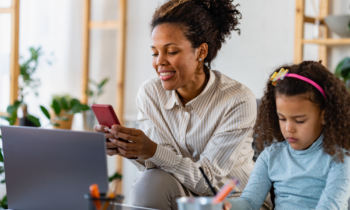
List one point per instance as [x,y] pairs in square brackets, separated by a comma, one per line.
[52,169]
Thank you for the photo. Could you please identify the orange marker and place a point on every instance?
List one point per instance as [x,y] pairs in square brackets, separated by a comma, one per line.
[95,193]
[225,190]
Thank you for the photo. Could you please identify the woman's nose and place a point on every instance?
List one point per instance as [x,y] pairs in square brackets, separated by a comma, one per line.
[161,60]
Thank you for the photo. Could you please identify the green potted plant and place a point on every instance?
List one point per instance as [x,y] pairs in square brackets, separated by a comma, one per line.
[342,71]
[27,84]
[63,109]
[93,93]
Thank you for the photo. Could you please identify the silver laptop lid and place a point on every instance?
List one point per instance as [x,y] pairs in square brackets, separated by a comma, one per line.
[52,169]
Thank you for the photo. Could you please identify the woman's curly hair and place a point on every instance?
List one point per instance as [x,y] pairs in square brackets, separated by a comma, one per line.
[202,21]
[337,107]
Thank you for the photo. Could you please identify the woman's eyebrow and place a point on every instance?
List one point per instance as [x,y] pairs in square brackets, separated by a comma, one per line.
[165,45]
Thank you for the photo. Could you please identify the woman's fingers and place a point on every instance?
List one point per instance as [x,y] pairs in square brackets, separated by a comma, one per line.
[111,145]
[129,153]
[110,136]
[101,128]
[117,129]
[127,137]
[111,152]
[124,145]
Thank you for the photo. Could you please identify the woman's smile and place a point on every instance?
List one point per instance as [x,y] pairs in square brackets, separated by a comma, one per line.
[166,75]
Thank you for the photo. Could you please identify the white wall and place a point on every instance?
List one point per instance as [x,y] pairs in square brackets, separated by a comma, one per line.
[266,42]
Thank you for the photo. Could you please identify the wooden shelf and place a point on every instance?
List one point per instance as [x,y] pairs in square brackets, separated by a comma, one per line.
[312,20]
[328,41]
[5,10]
[3,114]
[105,25]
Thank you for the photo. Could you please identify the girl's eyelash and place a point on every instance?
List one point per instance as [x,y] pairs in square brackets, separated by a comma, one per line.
[300,122]
[154,55]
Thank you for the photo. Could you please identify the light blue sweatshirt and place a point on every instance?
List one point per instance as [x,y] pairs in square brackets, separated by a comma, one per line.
[303,179]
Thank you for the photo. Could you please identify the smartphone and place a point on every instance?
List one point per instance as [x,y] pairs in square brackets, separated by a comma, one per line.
[105,114]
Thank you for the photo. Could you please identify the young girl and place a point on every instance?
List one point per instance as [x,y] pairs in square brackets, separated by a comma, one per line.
[305,118]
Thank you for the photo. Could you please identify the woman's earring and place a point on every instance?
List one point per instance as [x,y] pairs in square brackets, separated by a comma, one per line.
[200,59]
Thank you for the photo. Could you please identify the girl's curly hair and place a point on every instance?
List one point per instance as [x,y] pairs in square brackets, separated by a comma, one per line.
[202,21]
[337,107]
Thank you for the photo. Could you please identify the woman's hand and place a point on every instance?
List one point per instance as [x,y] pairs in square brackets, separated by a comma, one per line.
[136,142]
[112,149]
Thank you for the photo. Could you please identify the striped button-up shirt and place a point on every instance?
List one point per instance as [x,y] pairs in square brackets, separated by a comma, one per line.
[212,131]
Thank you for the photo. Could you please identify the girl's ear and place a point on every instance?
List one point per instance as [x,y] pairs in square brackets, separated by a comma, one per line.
[322,117]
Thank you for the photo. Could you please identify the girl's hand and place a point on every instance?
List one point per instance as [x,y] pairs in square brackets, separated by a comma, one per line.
[227,205]
[136,142]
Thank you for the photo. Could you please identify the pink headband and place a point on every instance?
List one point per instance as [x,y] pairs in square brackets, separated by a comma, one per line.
[284,73]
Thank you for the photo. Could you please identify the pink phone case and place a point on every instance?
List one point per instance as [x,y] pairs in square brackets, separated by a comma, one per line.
[105,114]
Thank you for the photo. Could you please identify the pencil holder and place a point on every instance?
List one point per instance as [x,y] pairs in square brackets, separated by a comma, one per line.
[103,202]
[197,203]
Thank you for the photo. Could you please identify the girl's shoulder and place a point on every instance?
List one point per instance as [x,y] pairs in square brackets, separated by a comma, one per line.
[275,150]
[277,147]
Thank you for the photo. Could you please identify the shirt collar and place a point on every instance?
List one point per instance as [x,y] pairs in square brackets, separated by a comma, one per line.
[169,102]
[197,103]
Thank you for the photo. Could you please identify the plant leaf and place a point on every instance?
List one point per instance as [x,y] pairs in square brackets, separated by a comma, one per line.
[55,124]
[340,67]
[46,113]
[89,93]
[116,175]
[64,103]
[4,202]
[79,108]
[3,181]
[34,120]
[74,102]
[56,107]
[13,108]
[1,156]
[2,169]
[12,121]
[103,83]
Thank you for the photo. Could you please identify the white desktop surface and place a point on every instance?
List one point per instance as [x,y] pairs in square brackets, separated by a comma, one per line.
[129,207]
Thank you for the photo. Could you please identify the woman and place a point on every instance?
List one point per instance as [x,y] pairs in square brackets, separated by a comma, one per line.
[189,116]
